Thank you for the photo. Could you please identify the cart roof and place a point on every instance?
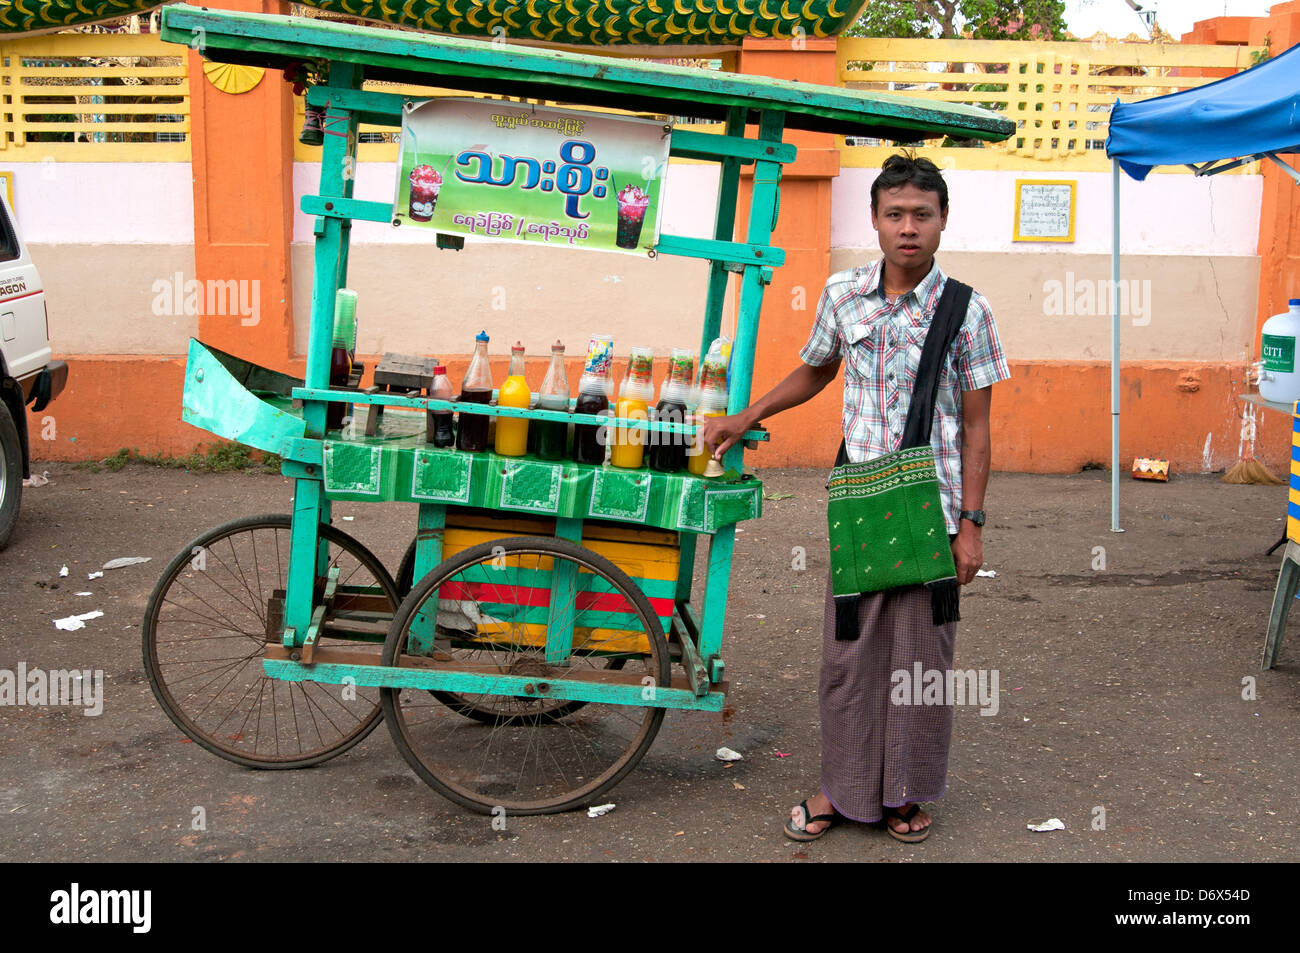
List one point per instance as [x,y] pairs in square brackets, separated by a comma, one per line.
[515,70]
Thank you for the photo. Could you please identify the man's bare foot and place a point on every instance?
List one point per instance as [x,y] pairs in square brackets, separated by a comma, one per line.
[908,822]
[817,804]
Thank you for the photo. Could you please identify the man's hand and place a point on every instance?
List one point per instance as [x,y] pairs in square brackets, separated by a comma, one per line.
[802,384]
[721,433]
[967,551]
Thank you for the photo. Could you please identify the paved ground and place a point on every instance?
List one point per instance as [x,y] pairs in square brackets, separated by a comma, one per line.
[1121,688]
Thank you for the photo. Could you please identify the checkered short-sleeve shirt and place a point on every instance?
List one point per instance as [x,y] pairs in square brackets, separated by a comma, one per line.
[881,347]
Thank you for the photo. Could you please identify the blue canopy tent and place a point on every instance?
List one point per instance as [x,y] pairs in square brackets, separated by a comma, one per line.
[1252,115]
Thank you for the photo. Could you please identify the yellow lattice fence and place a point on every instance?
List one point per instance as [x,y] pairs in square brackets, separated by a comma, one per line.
[1059,93]
[94,97]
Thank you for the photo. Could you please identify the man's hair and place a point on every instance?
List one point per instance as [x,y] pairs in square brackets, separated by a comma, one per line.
[901,169]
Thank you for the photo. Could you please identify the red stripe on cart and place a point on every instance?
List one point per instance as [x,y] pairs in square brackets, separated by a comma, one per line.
[536,596]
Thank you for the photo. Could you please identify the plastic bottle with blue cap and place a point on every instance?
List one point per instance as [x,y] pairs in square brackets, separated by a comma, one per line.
[1279,378]
[477,389]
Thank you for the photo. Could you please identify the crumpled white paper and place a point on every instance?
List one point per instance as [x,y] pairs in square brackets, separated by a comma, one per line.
[74,622]
[1051,824]
[726,754]
[599,810]
[124,561]
[121,562]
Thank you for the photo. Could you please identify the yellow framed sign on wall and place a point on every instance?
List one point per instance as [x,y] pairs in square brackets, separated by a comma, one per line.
[1044,210]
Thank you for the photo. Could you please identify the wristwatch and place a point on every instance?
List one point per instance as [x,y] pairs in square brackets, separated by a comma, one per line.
[975,516]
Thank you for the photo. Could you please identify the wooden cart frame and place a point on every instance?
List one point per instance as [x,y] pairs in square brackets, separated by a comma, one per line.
[318,625]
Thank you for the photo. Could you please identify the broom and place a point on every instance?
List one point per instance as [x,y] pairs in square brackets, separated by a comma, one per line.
[1248,469]
[1251,471]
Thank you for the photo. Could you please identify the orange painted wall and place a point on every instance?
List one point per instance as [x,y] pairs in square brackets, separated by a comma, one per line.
[243,200]
[803,230]
[1051,417]
[1279,220]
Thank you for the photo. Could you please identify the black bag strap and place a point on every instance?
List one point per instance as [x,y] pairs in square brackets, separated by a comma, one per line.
[944,327]
[949,314]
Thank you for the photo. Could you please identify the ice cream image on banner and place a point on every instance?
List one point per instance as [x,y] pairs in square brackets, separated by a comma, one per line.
[632,203]
[426,182]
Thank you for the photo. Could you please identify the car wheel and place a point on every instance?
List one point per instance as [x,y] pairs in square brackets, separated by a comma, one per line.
[11,474]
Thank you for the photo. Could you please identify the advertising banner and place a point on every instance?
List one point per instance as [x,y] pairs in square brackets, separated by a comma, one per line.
[518,172]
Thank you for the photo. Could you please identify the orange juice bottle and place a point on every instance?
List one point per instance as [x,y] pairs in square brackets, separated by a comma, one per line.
[512,432]
[713,403]
[634,399]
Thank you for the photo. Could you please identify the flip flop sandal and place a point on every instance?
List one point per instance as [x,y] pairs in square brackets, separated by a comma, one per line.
[801,834]
[911,837]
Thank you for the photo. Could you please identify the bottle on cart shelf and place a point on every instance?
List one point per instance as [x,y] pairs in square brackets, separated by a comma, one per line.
[512,432]
[552,435]
[668,450]
[593,398]
[345,310]
[442,433]
[713,403]
[472,434]
[634,399]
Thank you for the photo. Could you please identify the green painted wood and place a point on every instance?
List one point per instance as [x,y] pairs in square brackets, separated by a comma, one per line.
[491,410]
[724,230]
[430,534]
[685,566]
[725,251]
[311,508]
[697,675]
[678,501]
[216,399]
[346,208]
[570,687]
[561,609]
[318,613]
[513,70]
[716,585]
[762,220]
[378,109]
[690,144]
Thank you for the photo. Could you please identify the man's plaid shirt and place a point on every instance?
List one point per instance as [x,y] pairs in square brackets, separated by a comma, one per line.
[881,347]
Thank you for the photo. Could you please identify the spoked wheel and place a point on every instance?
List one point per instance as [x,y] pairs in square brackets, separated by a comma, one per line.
[209,619]
[527,754]
[491,709]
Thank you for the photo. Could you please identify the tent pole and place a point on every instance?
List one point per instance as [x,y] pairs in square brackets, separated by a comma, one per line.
[1114,349]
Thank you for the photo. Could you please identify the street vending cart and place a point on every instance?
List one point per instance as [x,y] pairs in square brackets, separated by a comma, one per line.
[546,621]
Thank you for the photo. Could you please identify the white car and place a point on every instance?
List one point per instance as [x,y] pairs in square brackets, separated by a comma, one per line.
[27,375]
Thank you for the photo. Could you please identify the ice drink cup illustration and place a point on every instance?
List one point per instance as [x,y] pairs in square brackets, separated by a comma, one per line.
[632,203]
[426,182]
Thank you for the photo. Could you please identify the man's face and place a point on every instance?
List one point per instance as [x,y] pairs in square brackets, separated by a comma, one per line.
[908,221]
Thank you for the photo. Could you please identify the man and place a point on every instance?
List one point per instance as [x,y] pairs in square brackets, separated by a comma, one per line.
[879,760]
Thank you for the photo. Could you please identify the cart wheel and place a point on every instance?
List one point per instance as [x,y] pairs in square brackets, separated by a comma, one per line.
[207,624]
[518,753]
[491,709]
[405,577]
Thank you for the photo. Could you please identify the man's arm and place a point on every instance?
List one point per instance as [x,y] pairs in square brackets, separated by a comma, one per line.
[968,547]
[801,385]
